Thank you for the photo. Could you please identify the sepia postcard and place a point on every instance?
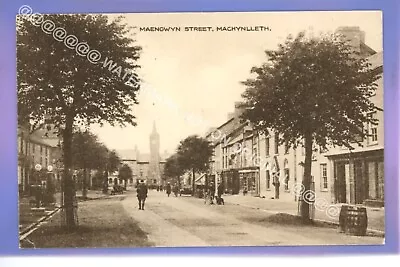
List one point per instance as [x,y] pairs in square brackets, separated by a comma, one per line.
[200,129]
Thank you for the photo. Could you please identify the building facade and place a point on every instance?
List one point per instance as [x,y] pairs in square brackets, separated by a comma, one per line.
[39,158]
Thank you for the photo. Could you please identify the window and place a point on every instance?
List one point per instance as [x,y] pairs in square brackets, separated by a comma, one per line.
[372,130]
[41,149]
[276,144]
[324,177]
[267,146]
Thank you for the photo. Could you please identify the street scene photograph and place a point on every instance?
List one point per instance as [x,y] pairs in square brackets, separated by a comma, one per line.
[200,129]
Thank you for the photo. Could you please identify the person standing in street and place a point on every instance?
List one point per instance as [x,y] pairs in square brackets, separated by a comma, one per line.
[141,191]
[168,189]
[211,192]
[176,190]
[220,192]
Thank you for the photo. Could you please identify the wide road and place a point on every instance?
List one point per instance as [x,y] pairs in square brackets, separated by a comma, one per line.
[186,221]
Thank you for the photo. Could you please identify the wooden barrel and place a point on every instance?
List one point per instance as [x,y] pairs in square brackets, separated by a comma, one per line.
[356,220]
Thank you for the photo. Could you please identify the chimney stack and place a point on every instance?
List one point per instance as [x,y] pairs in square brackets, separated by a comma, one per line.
[238,110]
[353,35]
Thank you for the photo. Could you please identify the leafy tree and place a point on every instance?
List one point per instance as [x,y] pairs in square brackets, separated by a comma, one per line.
[85,147]
[194,154]
[112,164]
[173,169]
[125,173]
[312,90]
[56,82]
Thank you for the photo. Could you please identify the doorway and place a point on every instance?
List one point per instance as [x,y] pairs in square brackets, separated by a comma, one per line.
[340,182]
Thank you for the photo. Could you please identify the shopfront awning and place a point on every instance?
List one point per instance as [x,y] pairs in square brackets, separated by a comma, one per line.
[199,180]
[355,152]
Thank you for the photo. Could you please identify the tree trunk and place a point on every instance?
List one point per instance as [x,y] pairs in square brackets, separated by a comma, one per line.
[193,185]
[305,207]
[179,182]
[84,184]
[69,191]
[105,181]
[276,186]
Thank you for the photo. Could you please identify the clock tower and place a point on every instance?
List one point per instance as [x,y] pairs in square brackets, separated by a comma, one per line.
[154,168]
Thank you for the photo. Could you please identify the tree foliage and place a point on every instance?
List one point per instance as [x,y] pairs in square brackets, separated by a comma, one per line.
[125,173]
[113,161]
[55,80]
[173,167]
[85,148]
[194,154]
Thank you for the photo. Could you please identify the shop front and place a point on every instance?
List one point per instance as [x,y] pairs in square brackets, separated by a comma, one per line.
[249,181]
[358,178]
[231,181]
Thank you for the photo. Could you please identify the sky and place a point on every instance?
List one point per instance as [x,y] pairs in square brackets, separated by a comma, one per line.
[191,79]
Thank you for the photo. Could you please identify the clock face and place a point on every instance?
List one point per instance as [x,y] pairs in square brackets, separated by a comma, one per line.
[153,142]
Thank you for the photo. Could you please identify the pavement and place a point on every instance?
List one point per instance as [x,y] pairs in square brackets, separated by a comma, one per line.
[330,214]
[186,221]
[29,219]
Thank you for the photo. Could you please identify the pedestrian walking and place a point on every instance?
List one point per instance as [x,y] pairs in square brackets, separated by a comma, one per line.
[211,192]
[141,191]
[220,192]
[176,190]
[168,189]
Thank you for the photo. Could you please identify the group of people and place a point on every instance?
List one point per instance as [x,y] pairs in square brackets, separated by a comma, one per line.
[174,189]
[142,191]
[210,194]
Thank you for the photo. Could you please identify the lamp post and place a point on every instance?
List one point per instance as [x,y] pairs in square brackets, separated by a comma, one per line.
[38,194]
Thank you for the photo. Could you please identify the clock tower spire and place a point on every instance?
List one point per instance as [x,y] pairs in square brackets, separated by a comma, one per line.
[154,168]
